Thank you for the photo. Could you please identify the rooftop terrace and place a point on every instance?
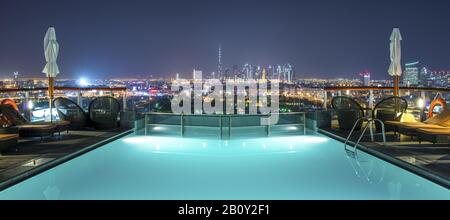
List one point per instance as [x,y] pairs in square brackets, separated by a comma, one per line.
[30,153]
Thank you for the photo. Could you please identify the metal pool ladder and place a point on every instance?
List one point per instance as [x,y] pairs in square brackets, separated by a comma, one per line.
[370,122]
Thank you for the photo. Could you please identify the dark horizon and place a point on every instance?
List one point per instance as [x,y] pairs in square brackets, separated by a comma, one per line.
[324,39]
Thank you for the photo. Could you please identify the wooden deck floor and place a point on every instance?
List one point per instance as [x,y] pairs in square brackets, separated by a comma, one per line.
[32,152]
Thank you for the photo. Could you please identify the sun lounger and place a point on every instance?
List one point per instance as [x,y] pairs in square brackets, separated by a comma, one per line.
[440,135]
[27,127]
[409,128]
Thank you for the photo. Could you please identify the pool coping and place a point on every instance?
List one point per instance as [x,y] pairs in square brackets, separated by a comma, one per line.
[394,161]
[58,161]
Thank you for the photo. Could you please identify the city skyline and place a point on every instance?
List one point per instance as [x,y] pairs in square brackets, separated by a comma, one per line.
[165,38]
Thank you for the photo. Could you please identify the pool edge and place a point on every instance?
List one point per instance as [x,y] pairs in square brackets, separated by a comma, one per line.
[395,161]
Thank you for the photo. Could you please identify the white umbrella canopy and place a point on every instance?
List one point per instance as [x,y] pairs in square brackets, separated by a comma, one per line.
[395,69]
[51,50]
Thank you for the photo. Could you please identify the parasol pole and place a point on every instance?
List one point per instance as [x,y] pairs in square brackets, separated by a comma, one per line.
[50,94]
[396,87]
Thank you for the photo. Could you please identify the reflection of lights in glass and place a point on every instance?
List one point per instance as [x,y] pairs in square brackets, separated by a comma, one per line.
[30,104]
[292,128]
[347,92]
[420,103]
[157,128]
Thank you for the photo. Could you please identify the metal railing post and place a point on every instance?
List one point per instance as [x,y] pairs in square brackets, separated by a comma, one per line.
[124,100]
[79,94]
[182,124]
[28,109]
[229,127]
[325,100]
[220,125]
[145,123]
[304,123]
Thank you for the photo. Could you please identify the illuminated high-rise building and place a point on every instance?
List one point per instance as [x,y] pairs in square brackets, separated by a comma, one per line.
[197,74]
[279,72]
[219,66]
[366,77]
[424,76]
[411,74]
[264,74]
[248,74]
[287,72]
[16,75]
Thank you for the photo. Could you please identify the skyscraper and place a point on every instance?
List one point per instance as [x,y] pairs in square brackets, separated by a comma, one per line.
[288,72]
[411,74]
[219,66]
[197,74]
[16,75]
[248,74]
[424,76]
[366,77]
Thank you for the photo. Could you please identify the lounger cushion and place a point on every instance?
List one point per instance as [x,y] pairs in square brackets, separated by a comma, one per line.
[411,129]
[417,126]
[445,124]
[440,118]
[36,130]
[395,123]
[442,131]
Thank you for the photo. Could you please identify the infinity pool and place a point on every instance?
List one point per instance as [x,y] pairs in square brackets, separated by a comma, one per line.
[294,167]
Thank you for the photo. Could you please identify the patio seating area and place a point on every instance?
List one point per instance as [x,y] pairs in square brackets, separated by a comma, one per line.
[425,144]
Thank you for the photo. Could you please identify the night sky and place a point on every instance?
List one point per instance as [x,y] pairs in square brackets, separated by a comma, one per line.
[111,38]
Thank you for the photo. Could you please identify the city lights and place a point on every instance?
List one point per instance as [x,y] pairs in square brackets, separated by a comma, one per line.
[83,82]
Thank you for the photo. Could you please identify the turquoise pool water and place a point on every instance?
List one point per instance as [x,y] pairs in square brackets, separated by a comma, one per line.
[294,167]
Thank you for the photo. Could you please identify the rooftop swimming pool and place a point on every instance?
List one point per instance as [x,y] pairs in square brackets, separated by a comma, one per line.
[291,167]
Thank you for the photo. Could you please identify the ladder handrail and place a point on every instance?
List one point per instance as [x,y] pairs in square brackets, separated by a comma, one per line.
[353,129]
[370,122]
